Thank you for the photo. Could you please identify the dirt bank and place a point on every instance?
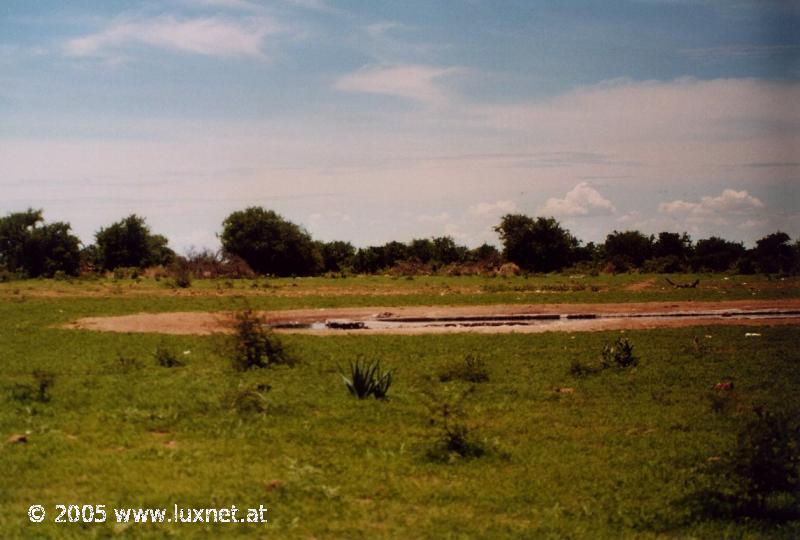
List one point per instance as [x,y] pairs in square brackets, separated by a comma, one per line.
[612,317]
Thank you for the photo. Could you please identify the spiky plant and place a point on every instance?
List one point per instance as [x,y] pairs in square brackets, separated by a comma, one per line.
[367,378]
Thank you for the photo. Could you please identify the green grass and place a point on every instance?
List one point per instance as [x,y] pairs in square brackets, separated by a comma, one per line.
[283,293]
[617,457]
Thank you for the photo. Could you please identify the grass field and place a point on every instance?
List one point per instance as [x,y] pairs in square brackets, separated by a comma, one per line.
[616,453]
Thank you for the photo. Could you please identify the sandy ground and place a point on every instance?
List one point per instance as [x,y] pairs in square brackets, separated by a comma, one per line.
[204,323]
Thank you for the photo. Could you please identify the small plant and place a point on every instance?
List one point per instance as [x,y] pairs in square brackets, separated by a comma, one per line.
[39,391]
[471,369]
[167,358]
[619,354]
[454,438]
[254,345]
[368,379]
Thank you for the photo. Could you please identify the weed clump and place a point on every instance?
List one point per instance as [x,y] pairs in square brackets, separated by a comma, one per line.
[619,354]
[253,345]
[368,379]
[471,369]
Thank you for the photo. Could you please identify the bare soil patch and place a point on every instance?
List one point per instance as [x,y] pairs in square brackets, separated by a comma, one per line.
[205,323]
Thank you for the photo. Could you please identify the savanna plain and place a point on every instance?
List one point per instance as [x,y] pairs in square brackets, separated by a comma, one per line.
[512,435]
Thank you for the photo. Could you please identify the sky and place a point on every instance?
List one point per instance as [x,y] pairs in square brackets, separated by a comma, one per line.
[377,120]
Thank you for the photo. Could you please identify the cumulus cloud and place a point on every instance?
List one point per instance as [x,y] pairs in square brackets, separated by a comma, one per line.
[492,209]
[209,36]
[415,82]
[583,200]
[729,202]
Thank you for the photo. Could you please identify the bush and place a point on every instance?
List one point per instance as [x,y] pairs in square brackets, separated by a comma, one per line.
[367,379]
[619,354]
[253,345]
[471,369]
[166,358]
[454,438]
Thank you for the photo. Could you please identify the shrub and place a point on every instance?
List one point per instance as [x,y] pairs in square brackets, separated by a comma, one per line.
[619,354]
[368,379]
[254,345]
[167,358]
[471,369]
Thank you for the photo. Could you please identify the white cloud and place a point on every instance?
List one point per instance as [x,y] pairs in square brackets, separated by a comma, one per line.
[492,209]
[209,36]
[415,82]
[583,200]
[730,202]
[443,217]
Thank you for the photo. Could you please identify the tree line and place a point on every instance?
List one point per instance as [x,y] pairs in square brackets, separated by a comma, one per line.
[259,241]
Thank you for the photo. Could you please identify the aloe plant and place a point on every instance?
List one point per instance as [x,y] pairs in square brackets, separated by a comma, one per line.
[367,378]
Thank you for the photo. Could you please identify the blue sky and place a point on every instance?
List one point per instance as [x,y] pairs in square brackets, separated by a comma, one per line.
[371,121]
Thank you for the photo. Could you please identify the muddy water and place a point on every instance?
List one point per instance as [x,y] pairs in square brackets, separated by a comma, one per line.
[550,321]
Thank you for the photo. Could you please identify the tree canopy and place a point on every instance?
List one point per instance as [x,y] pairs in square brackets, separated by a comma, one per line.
[269,243]
[29,246]
[129,243]
[538,245]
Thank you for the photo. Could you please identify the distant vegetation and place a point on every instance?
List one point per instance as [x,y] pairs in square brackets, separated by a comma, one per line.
[256,241]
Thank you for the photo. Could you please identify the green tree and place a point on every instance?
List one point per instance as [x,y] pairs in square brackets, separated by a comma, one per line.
[128,243]
[539,245]
[670,244]
[774,253]
[37,249]
[269,243]
[336,255]
[627,248]
[716,254]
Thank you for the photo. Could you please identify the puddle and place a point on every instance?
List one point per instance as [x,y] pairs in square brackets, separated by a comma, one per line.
[571,320]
